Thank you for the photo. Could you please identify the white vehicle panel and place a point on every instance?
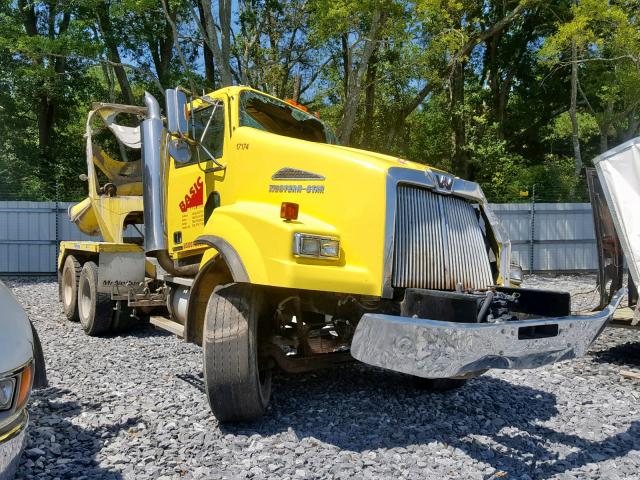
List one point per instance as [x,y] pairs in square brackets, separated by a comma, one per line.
[16,339]
[619,173]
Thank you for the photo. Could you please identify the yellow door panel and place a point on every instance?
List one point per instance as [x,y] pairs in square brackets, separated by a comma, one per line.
[191,184]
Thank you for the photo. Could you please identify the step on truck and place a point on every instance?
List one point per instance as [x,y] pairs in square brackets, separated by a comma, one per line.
[237,222]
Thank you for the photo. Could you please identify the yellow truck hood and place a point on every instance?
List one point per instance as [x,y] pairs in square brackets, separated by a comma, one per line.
[378,159]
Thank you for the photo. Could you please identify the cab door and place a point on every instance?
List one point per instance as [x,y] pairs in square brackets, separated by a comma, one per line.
[192,182]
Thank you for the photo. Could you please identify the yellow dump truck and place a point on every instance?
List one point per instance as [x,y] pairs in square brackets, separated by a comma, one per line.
[238,223]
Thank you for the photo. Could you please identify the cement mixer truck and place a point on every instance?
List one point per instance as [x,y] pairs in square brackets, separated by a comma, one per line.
[237,222]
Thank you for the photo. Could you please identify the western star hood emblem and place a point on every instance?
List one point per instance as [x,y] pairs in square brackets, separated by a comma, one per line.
[443,182]
[288,173]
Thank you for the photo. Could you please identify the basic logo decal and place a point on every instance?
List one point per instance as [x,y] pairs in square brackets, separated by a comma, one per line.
[195,197]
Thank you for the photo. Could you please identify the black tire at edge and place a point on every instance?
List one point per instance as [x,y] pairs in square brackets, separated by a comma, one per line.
[40,375]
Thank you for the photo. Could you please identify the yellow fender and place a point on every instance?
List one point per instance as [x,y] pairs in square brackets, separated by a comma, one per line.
[257,246]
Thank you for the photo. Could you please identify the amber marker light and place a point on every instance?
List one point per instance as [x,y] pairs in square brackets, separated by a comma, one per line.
[26,379]
[289,211]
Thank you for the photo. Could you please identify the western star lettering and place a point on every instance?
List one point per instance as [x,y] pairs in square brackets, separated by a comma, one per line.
[296,188]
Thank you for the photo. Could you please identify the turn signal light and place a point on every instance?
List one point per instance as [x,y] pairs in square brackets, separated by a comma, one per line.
[26,380]
[289,211]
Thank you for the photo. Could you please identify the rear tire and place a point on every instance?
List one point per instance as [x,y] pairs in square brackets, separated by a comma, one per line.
[238,390]
[69,287]
[94,309]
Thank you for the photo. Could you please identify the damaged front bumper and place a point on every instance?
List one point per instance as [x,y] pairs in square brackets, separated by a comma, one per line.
[438,349]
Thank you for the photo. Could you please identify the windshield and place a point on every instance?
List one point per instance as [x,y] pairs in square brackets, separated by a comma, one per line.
[274,116]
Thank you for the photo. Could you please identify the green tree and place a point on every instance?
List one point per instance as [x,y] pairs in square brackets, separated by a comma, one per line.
[599,42]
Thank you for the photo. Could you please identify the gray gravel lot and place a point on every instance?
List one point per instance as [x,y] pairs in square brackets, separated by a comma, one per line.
[131,406]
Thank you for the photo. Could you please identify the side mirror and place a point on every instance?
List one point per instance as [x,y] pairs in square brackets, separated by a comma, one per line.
[177,123]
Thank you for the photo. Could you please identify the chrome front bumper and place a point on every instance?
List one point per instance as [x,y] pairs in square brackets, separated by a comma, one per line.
[436,349]
[11,445]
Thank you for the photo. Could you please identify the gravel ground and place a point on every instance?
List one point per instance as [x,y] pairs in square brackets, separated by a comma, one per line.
[131,406]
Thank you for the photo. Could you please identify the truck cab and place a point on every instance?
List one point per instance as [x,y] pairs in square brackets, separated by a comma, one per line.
[260,238]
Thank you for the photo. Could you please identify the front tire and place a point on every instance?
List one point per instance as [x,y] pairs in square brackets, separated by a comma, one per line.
[237,388]
[69,287]
[94,309]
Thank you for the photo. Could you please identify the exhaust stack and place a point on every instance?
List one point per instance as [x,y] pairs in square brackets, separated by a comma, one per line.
[152,178]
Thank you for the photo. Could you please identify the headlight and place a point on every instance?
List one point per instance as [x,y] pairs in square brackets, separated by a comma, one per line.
[315,246]
[7,387]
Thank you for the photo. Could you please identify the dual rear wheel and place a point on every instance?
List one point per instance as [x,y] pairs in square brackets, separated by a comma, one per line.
[82,302]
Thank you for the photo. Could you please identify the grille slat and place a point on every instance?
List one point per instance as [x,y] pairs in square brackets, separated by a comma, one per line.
[438,242]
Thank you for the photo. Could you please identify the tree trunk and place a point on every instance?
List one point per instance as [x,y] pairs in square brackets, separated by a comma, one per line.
[460,160]
[297,84]
[45,125]
[207,55]
[632,128]
[346,64]
[209,68]
[493,69]
[224,7]
[107,78]
[503,101]
[113,54]
[604,141]
[369,97]
[221,50]
[354,87]
[575,138]
[165,54]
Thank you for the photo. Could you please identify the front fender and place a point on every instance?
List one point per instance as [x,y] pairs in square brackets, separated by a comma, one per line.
[252,237]
[231,257]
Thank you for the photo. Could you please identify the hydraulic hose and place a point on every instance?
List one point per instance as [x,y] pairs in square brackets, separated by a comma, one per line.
[170,266]
[485,306]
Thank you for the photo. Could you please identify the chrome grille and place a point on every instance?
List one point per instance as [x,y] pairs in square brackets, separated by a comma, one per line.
[438,242]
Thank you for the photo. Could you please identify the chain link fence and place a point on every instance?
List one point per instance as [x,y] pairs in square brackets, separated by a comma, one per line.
[546,237]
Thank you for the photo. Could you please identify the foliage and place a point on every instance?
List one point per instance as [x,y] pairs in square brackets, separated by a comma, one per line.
[480,88]
[560,128]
